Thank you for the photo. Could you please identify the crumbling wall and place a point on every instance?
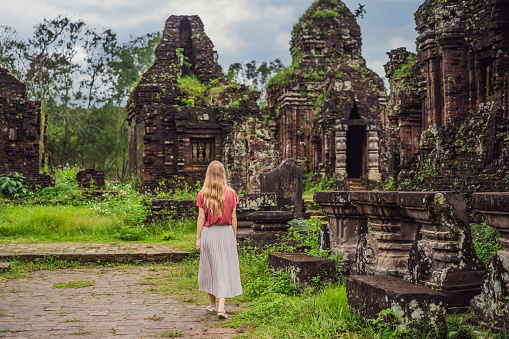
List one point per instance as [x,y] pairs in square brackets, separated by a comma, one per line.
[327,89]
[19,132]
[182,111]
[250,150]
[403,124]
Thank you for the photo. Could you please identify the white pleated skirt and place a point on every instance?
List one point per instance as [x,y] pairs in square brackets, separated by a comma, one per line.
[219,272]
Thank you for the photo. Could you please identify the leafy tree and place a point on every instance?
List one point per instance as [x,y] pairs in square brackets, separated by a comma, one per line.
[253,75]
[82,79]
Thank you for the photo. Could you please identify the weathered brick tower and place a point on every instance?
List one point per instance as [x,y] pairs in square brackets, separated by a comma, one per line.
[459,84]
[19,132]
[184,114]
[327,106]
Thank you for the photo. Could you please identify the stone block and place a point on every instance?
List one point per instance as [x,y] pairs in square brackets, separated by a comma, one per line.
[386,248]
[251,202]
[278,217]
[90,177]
[5,266]
[260,239]
[345,226]
[286,182]
[303,269]
[415,304]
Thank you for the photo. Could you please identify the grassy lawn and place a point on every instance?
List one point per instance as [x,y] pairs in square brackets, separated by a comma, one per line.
[58,214]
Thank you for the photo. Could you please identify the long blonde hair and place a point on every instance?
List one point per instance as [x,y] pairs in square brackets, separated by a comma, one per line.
[213,188]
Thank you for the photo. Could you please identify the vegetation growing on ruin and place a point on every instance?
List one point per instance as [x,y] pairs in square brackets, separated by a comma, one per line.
[319,10]
[217,92]
[406,69]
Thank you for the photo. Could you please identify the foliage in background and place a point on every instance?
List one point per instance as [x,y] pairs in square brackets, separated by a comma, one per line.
[312,185]
[255,76]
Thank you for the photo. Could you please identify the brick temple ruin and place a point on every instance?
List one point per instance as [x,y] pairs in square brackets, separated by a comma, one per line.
[328,106]
[184,114]
[448,114]
[19,132]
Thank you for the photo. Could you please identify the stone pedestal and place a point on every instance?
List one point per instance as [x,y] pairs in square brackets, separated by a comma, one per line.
[415,304]
[269,227]
[444,259]
[342,233]
[250,203]
[492,305]
[386,248]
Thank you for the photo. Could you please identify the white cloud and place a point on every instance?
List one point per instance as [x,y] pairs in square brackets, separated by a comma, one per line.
[282,40]
[399,41]
[241,30]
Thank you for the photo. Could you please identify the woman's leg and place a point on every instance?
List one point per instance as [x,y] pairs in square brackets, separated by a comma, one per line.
[220,307]
[212,301]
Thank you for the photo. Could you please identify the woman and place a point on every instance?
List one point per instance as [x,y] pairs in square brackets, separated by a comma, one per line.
[219,273]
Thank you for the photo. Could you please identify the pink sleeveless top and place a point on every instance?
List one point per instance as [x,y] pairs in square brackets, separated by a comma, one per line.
[230,201]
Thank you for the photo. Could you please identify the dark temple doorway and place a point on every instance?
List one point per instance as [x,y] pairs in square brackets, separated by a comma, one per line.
[355,146]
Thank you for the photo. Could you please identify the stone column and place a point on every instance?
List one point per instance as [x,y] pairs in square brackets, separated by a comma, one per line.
[345,226]
[385,249]
[340,173]
[445,258]
[248,204]
[492,305]
[373,169]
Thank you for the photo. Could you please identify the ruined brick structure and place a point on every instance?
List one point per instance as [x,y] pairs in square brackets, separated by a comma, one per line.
[183,112]
[403,123]
[19,132]
[327,106]
[461,74]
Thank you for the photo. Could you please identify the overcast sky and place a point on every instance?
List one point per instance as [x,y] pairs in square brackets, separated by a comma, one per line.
[241,30]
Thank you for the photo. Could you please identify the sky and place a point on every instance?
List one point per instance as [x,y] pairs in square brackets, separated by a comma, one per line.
[241,30]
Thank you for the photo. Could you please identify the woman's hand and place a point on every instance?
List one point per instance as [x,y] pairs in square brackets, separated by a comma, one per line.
[198,245]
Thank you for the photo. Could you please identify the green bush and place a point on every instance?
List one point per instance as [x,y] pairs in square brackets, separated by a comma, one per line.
[10,185]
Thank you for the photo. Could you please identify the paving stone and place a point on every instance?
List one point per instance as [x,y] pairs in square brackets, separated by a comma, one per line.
[46,312]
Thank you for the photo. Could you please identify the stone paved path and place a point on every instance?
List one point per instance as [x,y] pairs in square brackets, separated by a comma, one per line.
[119,304]
[90,252]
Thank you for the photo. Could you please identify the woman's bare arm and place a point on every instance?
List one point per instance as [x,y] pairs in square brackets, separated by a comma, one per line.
[199,227]
[234,221]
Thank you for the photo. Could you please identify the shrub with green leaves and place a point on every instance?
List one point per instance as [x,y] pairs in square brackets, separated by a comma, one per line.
[10,185]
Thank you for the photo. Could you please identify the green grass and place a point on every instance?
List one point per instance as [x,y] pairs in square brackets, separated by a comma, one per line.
[35,223]
[171,334]
[42,223]
[75,284]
